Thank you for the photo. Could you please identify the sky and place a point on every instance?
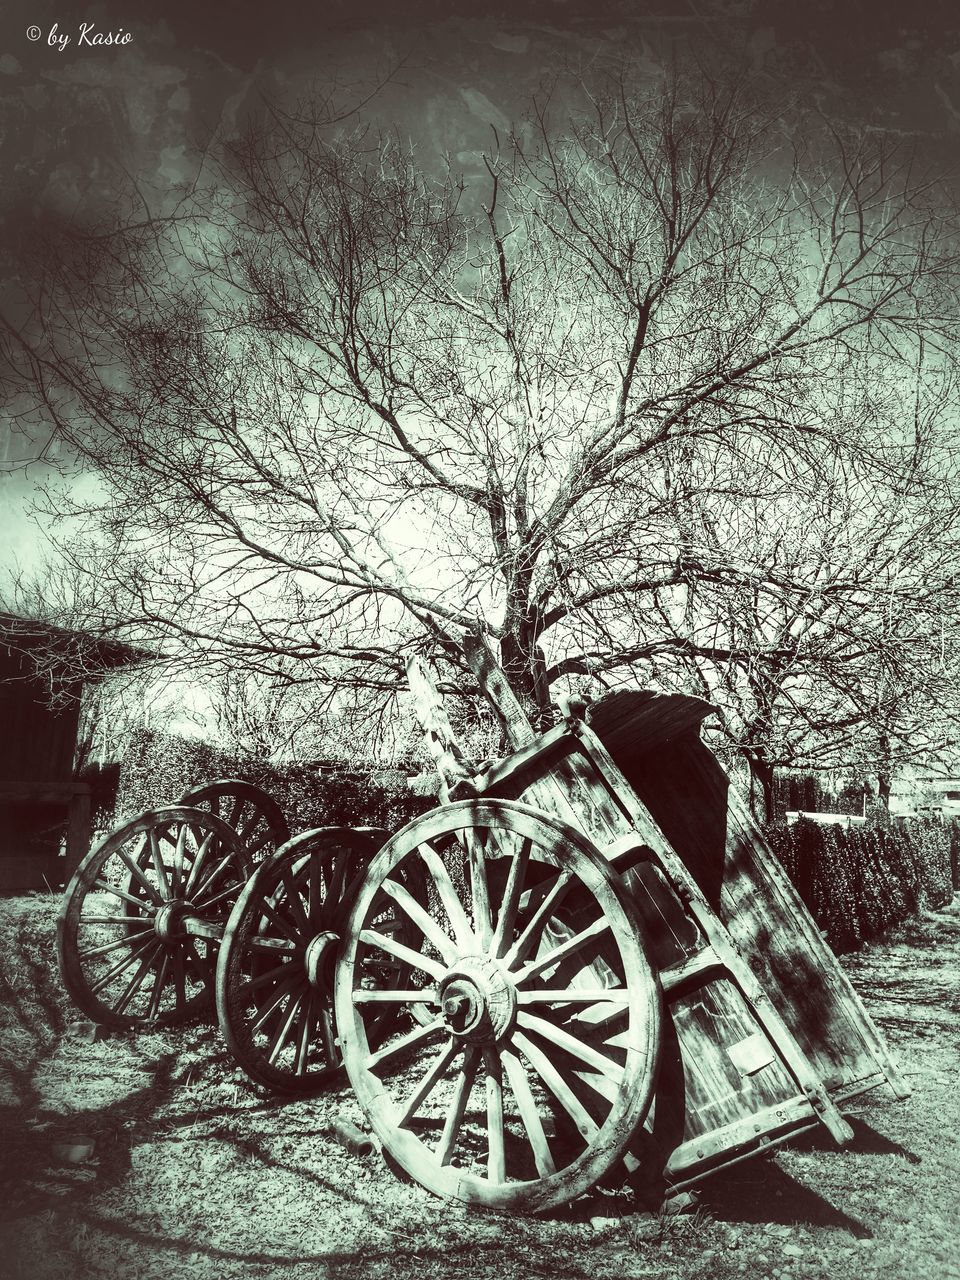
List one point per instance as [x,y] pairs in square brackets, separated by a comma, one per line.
[76,112]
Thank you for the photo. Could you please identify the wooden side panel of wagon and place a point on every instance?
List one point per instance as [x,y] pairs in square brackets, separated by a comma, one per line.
[750,1057]
[656,745]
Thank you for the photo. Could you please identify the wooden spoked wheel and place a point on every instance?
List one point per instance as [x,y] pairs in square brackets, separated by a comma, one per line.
[255,816]
[143,914]
[276,967]
[537,1060]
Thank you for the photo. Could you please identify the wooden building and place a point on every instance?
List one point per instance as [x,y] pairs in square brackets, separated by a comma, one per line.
[44,808]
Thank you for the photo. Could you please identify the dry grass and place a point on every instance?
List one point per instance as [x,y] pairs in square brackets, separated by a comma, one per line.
[194,1174]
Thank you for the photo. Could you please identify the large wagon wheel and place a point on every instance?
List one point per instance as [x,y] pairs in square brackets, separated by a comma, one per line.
[538,1060]
[276,965]
[143,914]
[255,816]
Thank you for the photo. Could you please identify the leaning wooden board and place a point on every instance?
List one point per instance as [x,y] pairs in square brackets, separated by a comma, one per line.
[766,1035]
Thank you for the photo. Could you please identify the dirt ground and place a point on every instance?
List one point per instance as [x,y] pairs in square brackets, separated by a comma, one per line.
[151,1157]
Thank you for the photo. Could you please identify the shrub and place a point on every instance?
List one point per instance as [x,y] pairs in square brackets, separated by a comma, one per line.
[858,881]
[158,768]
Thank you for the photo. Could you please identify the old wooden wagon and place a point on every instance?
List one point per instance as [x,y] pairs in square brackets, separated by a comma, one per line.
[586,963]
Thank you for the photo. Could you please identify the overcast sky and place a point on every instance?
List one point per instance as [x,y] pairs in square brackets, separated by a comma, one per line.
[73,112]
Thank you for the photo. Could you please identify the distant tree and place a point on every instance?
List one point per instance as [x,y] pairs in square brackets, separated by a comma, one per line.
[340,408]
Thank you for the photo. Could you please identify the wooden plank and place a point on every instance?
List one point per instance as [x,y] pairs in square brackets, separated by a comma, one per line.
[431,714]
[700,1154]
[40,790]
[587,789]
[78,831]
[796,1054]
[742,879]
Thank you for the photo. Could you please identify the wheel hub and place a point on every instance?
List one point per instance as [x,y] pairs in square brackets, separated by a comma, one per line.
[477,1000]
[320,960]
[169,919]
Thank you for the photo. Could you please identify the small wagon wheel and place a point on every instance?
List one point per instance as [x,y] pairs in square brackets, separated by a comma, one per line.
[255,816]
[539,1057]
[143,913]
[276,967]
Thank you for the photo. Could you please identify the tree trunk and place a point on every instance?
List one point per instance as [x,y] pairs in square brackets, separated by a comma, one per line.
[883,775]
[526,670]
[761,786]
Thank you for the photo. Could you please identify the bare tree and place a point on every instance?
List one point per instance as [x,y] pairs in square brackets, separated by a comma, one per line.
[344,406]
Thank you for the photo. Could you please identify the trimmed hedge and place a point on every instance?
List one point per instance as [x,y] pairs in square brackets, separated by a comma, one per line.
[858,881]
[158,768]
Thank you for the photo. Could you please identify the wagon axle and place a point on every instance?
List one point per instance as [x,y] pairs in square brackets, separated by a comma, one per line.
[478,1000]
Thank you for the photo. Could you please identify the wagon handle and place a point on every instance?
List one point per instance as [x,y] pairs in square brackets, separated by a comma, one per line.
[456,773]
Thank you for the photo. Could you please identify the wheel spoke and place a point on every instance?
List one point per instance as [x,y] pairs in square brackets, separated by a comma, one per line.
[458,1107]
[275,918]
[236,810]
[136,951]
[574,995]
[159,980]
[156,855]
[140,875]
[306,1025]
[552,1078]
[275,946]
[507,916]
[214,876]
[428,1081]
[285,1026]
[415,959]
[422,919]
[201,963]
[283,989]
[248,825]
[564,1040]
[261,842]
[395,995]
[315,891]
[124,920]
[531,934]
[261,980]
[479,888]
[178,859]
[107,947]
[179,977]
[203,849]
[338,877]
[568,948]
[407,1041]
[448,896]
[133,986]
[293,898]
[217,898]
[529,1115]
[102,886]
[496,1151]
[327,1038]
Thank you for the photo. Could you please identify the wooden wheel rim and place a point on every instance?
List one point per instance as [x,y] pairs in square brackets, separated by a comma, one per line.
[498,1047]
[255,816]
[306,866]
[136,915]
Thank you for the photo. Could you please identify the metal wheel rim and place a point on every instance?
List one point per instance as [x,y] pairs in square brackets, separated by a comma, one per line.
[254,814]
[103,925]
[634,1069]
[295,897]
